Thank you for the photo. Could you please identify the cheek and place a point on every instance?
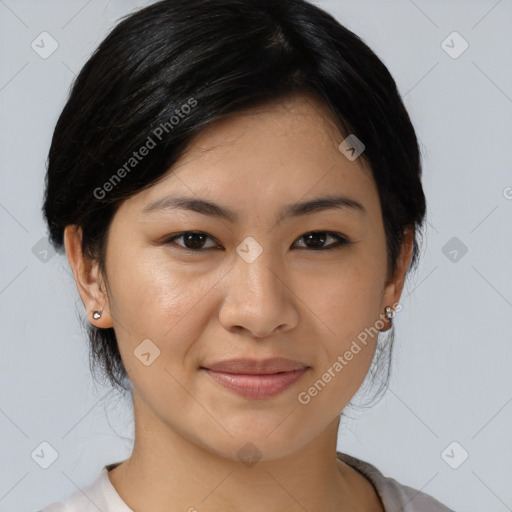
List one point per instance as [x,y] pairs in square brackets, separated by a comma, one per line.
[347,310]
[154,300]
[346,304]
[153,297]
[346,297]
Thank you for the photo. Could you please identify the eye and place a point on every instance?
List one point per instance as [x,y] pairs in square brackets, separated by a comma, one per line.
[193,240]
[315,240]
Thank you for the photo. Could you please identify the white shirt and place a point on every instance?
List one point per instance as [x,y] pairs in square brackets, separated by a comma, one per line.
[101,494]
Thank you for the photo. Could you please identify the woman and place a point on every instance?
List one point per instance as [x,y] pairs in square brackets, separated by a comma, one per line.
[237,187]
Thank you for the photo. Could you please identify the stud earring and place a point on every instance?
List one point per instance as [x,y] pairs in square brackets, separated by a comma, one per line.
[96,315]
[389,312]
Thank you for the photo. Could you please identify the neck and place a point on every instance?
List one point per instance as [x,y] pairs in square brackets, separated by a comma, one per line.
[168,472]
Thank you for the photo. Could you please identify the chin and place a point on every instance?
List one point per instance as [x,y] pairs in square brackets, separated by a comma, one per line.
[250,443]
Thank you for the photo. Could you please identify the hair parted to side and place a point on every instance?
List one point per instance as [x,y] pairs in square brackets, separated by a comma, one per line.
[217,57]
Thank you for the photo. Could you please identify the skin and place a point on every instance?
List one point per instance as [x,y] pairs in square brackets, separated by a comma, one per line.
[202,307]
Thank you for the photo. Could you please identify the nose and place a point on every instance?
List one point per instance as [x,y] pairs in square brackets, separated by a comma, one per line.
[259,298]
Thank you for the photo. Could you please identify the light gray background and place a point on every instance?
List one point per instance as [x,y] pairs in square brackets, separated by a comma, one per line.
[452,364]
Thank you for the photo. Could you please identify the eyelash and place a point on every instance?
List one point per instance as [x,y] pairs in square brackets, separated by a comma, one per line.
[341,240]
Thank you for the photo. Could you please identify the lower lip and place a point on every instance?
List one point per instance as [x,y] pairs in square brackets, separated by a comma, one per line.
[256,386]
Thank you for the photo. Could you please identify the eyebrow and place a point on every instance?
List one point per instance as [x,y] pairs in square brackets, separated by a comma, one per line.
[223,212]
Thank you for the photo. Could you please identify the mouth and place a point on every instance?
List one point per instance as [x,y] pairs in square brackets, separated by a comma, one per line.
[256,379]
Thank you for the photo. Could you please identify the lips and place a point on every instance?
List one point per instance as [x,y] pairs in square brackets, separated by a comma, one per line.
[256,378]
[257,367]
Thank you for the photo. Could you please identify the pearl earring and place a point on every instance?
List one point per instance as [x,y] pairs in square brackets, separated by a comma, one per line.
[96,315]
[389,312]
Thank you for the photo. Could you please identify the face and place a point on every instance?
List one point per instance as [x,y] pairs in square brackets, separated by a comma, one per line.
[270,278]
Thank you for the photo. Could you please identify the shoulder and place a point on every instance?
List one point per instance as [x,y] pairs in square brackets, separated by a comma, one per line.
[88,499]
[394,495]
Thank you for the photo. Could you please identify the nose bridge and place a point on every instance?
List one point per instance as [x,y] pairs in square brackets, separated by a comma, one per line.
[257,267]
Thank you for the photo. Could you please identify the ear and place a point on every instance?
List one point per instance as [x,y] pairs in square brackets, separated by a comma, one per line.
[88,278]
[394,286]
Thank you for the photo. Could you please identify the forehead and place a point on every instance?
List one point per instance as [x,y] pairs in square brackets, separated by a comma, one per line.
[266,156]
[300,115]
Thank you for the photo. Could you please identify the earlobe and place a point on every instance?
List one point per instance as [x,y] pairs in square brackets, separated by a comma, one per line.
[87,278]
